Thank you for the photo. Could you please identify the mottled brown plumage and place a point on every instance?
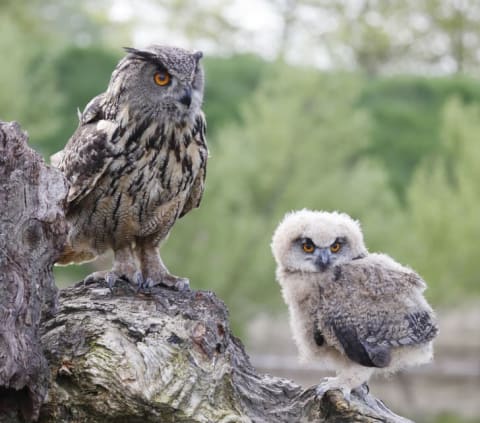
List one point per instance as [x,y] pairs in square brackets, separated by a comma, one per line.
[136,163]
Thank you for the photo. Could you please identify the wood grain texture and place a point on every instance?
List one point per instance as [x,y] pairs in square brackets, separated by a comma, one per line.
[169,356]
[32,232]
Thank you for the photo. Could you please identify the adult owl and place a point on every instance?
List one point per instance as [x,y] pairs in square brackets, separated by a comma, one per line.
[360,313]
[136,164]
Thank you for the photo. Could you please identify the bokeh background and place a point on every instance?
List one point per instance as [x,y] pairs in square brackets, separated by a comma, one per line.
[371,107]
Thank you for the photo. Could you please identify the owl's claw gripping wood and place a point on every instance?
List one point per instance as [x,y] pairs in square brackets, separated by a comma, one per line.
[180,284]
[331,384]
[97,276]
[109,277]
[168,281]
[139,281]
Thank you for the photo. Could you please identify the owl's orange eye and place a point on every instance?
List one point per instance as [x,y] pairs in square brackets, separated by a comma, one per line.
[161,78]
[308,247]
[335,247]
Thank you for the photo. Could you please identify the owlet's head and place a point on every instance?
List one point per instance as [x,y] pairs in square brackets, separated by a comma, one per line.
[166,82]
[314,241]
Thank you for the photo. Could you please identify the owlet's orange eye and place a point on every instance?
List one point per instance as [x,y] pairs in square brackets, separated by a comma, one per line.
[335,247]
[308,247]
[161,78]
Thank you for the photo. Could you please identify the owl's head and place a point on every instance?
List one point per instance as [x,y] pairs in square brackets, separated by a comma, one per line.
[313,241]
[160,80]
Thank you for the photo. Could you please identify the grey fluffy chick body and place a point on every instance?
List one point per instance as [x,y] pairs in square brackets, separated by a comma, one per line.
[359,313]
[136,164]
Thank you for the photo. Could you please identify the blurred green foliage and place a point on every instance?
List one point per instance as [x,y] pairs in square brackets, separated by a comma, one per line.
[399,153]
[291,149]
[406,114]
[232,79]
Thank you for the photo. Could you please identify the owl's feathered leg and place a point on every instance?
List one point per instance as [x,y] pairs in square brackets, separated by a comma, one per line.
[346,380]
[153,270]
[124,266]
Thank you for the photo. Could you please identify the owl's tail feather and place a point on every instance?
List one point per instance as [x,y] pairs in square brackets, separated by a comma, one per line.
[69,255]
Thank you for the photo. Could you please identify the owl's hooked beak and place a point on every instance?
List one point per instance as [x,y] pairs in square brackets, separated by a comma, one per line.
[322,258]
[186,98]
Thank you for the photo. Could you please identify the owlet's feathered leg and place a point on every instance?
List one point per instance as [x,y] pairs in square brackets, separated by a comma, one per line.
[124,266]
[153,270]
[345,381]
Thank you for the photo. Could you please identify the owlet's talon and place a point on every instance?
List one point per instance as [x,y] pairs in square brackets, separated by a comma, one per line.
[331,384]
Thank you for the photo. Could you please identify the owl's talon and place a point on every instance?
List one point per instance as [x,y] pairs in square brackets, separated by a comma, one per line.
[176,283]
[89,280]
[110,278]
[149,283]
[95,277]
[331,384]
[138,280]
[144,285]
[362,391]
[182,284]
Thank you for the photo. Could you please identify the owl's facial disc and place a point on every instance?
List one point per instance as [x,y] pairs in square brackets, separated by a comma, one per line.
[322,257]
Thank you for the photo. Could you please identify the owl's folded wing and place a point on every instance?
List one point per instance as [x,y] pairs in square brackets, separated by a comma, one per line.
[87,156]
[369,341]
[89,151]
[196,192]
[387,314]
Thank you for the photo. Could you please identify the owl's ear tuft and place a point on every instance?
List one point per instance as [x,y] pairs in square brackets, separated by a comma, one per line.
[142,54]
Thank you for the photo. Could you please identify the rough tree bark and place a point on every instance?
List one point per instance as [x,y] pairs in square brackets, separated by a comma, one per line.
[122,356]
[32,231]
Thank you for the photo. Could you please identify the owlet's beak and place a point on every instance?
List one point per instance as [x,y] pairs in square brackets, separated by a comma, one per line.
[322,257]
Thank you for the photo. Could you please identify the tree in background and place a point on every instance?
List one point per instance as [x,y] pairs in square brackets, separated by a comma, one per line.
[381,36]
[406,114]
[450,34]
[283,137]
[442,217]
[37,39]
[298,146]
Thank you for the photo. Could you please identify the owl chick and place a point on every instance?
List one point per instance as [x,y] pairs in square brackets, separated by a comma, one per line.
[360,313]
[136,164]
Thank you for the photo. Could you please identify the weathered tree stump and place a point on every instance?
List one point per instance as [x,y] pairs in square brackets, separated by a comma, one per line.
[32,232]
[168,356]
[122,356]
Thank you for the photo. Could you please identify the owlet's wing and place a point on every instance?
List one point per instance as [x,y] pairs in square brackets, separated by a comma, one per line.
[380,309]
